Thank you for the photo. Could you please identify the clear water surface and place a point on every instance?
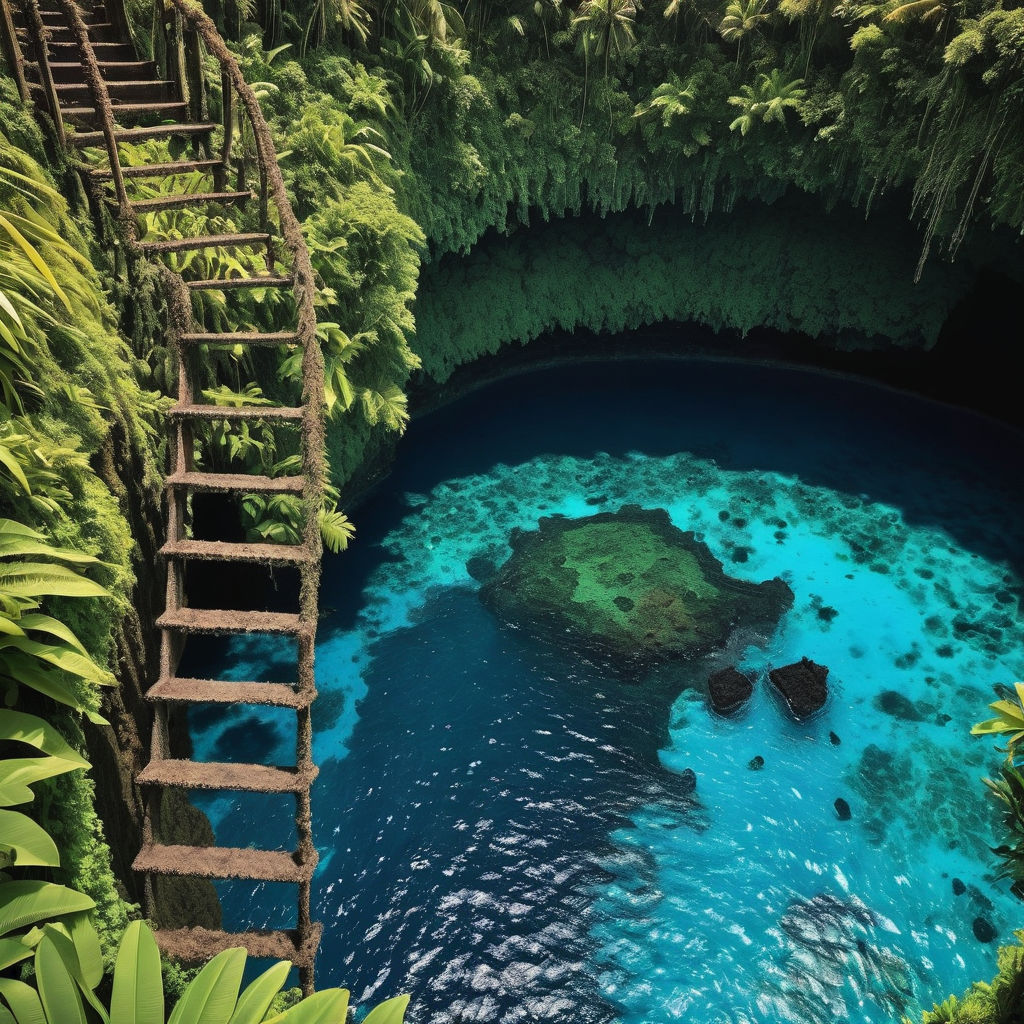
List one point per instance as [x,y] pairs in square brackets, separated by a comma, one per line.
[510,832]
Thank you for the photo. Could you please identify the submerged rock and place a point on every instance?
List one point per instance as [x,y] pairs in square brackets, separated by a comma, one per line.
[729,689]
[628,586]
[827,942]
[755,764]
[958,887]
[842,809]
[893,703]
[834,739]
[983,930]
[803,686]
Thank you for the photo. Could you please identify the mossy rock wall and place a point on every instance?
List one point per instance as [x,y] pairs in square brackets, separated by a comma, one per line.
[793,266]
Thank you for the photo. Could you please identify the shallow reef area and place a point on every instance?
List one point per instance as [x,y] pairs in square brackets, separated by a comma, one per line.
[629,585]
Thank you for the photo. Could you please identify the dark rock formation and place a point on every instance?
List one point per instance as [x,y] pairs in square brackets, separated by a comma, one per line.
[729,689]
[842,809]
[958,887]
[834,739]
[755,764]
[983,930]
[629,587]
[802,684]
[688,780]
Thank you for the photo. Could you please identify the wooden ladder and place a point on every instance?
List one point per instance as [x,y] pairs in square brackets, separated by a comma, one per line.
[81,70]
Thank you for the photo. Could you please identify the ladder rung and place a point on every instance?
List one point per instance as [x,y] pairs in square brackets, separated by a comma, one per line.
[231,412]
[156,170]
[192,945]
[218,691]
[235,241]
[159,131]
[218,621]
[250,778]
[243,483]
[227,551]
[128,110]
[243,338]
[222,284]
[187,199]
[223,862]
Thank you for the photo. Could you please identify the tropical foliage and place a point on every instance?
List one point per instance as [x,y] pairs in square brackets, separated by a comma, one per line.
[996,1002]
[68,972]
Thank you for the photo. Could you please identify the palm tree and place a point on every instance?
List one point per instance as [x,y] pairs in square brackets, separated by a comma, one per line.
[767,101]
[742,18]
[670,100]
[607,26]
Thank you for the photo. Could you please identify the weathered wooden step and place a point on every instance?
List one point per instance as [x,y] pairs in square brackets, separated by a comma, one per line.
[87,117]
[71,72]
[243,338]
[235,241]
[276,413]
[156,170]
[223,862]
[192,945]
[99,32]
[249,778]
[225,283]
[238,483]
[66,51]
[157,131]
[225,622]
[227,551]
[155,91]
[179,690]
[188,199]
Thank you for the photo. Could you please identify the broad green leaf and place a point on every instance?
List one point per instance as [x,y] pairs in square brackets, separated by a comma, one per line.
[5,1016]
[392,1011]
[211,996]
[327,1007]
[48,624]
[138,995]
[44,579]
[16,725]
[18,773]
[13,467]
[13,951]
[254,1002]
[23,1001]
[17,539]
[23,670]
[30,842]
[87,946]
[61,657]
[8,627]
[37,261]
[28,902]
[61,939]
[57,989]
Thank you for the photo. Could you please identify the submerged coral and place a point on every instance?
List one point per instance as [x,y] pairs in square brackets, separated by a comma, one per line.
[630,586]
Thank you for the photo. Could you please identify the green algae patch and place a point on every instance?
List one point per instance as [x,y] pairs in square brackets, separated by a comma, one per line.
[628,585]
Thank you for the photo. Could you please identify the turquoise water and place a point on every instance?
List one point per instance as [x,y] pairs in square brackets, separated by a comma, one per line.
[511,833]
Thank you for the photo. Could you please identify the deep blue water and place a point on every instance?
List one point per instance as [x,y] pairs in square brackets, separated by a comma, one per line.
[510,832]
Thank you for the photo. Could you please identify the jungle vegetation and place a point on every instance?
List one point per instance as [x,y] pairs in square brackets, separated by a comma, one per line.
[412,129]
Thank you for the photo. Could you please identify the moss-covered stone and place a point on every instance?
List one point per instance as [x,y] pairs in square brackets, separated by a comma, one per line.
[630,586]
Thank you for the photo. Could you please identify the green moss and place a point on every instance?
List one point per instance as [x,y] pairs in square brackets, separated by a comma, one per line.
[629,585]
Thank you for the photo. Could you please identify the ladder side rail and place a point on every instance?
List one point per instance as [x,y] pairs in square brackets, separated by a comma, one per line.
[13,57]
[104,109]
[38,35]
